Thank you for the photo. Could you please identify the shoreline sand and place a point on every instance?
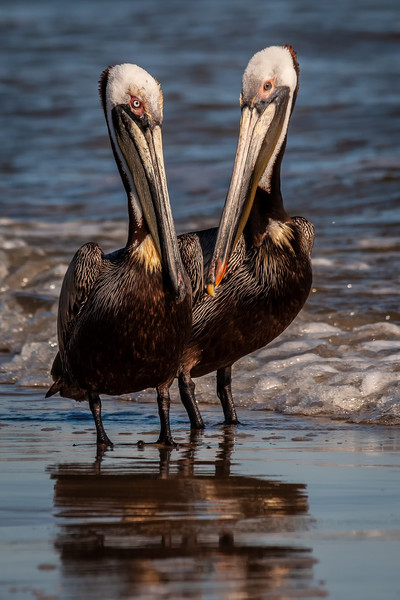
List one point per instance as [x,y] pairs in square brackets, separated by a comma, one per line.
[278,507]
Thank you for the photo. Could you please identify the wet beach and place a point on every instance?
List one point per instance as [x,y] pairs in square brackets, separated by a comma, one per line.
[301,500]
[278,507]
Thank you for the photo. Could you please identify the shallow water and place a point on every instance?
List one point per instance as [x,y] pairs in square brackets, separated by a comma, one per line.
[278,508]
[338,361]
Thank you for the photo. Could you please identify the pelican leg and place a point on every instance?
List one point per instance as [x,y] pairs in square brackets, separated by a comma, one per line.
[95,407]
[224,392]
[186,390]
[164,401]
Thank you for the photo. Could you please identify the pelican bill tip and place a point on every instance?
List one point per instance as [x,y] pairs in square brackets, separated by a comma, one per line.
[211,289]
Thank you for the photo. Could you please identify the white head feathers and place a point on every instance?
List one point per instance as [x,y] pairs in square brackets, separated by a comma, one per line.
[275,62]
[125,81]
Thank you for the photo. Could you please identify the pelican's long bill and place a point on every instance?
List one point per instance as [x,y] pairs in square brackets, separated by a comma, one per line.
[261,127]
[141,146]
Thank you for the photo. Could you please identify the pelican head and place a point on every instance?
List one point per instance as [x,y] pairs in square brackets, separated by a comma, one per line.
[269,88]
[133,106]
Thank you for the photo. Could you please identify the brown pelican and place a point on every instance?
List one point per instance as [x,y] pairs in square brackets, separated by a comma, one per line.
[125,317]
[260,269]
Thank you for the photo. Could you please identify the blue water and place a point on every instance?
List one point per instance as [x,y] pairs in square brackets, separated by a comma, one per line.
[59,186]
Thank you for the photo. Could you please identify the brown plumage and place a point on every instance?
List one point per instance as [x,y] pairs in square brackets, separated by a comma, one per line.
[125,317]
[258,264]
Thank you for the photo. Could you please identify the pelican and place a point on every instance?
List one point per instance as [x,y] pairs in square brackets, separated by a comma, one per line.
[125,317]
[258,262]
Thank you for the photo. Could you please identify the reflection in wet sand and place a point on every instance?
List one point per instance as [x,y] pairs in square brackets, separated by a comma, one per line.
[180,528]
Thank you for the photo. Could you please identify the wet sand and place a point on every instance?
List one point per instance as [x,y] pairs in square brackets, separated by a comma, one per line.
[278,507]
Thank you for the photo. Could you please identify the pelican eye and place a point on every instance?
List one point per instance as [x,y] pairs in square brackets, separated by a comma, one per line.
[136,105]
[267,86]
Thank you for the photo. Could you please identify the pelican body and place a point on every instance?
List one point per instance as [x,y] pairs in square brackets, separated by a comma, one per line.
[125,317]
[258,263]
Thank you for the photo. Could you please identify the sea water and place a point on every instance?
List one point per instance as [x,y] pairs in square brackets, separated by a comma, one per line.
[60,187]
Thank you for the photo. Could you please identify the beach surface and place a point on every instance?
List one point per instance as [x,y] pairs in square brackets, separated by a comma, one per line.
[278,507]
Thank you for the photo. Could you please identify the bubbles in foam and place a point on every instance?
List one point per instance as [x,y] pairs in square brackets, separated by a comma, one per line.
[31,367]
[339,381]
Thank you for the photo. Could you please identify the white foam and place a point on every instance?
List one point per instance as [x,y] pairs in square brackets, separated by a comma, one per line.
[13,244]
[375,381]
[379,345]
[377,243]
[319,329]
[393,358]
[31,367]
[323,262]
[340,381]
[357,266]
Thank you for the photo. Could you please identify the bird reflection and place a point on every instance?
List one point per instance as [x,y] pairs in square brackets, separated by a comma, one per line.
[179,527]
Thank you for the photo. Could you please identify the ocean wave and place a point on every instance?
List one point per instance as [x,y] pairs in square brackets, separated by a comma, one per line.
[313,369]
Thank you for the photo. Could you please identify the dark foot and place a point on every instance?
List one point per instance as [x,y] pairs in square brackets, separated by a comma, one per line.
[166,442]
[234,421]
[104,441]
[100,452]
[197,426]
